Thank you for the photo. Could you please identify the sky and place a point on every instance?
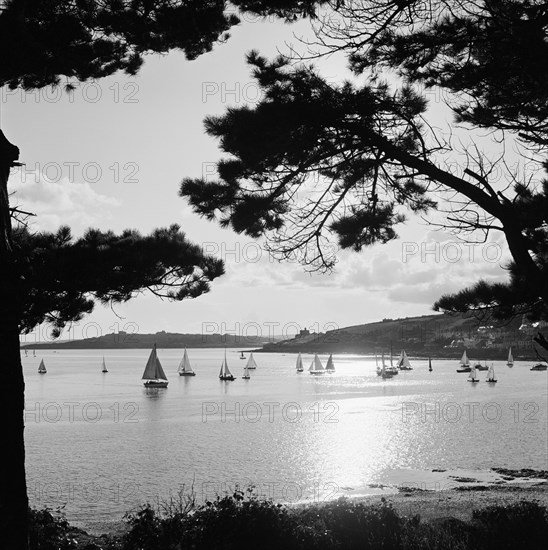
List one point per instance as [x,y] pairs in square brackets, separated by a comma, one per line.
[112,154]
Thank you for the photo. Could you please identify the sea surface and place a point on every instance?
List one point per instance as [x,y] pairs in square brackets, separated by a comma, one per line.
[100,445]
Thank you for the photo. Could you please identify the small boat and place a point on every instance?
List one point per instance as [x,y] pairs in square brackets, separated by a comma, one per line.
[464,363]
[473,377]
[330,367]
[300,367]
[225,373]
[34,353]
[539,366]
[246,373]
[251,364]
[378,367]
[316,366]
[479,366]
[510,361]
[154,375]
[42,367]
[184,366]
[26,353]
[429,364]
[385,373]
[491,375]
[403,362]
[242,356]
[104,369]
[392,369]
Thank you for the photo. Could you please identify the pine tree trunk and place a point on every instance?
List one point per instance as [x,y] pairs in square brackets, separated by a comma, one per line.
[13,486]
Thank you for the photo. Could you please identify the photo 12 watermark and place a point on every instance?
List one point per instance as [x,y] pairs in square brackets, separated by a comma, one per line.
[269,411]
[90,412]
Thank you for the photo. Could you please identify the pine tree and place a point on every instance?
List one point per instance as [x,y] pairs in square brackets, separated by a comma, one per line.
[315,162]
[60,42]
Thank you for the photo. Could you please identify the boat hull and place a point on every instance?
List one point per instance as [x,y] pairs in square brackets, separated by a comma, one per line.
[473,381]
[491,381]
[226,377]
[155,384]
[483,367]
[465,369]
[246,377]
[539,367]
[187,374]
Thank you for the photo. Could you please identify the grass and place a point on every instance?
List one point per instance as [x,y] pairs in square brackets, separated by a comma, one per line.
[244,522]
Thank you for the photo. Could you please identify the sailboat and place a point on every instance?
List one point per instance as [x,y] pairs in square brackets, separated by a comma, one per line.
[379,368]
[42,367]
[491,375]
[154,375]
[473,377]
[429,364]
[184,366]
[225,374]
[316,366]
[539,366]
[510,361]
[464,363]
[403,362]
[384,369]
[300,363]
[246,373]
[104,369]
[479,366]
[26,353]
[251,365]
[330,367]
[242,356]
[34,353]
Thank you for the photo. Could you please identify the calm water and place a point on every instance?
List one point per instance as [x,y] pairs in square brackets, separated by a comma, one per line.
[102,444]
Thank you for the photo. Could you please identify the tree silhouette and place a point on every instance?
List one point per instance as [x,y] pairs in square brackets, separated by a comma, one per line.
[316,162]
[47,42]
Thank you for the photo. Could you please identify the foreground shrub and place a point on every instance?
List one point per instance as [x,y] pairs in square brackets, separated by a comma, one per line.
[520,525]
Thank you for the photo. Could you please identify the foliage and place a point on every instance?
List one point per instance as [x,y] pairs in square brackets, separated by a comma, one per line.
[59,278]
[50,531]
[316,161]
[245,522]
[86,39]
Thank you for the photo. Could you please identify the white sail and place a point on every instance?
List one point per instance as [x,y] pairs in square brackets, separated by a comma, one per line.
[42,367]
[491,373]
[330,366]
[317,363]
[472,375]
[184,365]
[153,368]
[404,361]
[464,360]
[510,357]
[299,363]
[251,362]
[224,368]
[246,372]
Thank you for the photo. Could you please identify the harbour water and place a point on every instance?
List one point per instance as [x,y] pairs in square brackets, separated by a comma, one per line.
[101,444]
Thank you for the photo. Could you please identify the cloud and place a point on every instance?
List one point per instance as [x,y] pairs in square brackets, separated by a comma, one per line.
[61,202]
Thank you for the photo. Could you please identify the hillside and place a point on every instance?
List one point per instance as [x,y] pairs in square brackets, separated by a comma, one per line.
[438,335]
[125,340]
